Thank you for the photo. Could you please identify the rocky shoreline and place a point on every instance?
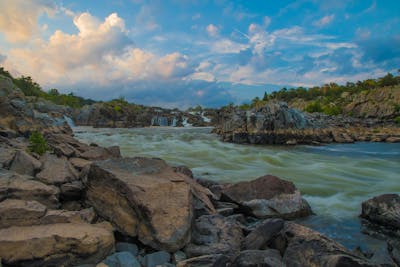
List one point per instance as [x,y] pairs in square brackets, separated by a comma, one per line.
[276,123]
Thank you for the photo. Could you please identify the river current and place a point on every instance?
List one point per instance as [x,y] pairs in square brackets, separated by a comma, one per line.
[333,178]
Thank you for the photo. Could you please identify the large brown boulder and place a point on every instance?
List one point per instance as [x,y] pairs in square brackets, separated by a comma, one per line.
[56,170]
[383,210]
[14,185]
[142,197]
[267,197]
[55,245]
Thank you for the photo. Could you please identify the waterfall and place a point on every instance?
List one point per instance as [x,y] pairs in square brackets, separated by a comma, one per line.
[69,121]
[159,121]
[174,121]
[185,122]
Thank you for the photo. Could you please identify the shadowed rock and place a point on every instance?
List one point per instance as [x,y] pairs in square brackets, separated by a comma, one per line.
[383,210]
[306,247]
[215,234]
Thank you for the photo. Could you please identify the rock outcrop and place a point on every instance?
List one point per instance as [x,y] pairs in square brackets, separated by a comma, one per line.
[267,197]
[276,123]
[142,197]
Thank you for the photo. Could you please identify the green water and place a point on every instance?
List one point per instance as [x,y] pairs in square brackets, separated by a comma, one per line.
[334,179]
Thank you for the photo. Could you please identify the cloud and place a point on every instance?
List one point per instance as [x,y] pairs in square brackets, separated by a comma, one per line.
[324,21]
[227,46]
[100,53]
[19,18]
[212,30]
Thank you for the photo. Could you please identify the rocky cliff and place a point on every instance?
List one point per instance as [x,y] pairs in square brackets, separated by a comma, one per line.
[381,103]
[277,123]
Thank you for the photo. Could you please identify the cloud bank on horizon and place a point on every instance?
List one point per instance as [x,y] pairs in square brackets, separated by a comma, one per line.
[181,53]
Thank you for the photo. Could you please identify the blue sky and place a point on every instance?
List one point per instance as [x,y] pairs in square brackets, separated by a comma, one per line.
[182,53]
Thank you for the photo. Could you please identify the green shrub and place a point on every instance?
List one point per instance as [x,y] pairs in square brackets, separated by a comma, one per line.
[37,143]
[332,110]
[397,120]
[314,106]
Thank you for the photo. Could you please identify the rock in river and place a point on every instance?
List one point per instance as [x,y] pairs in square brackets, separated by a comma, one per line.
[267,197]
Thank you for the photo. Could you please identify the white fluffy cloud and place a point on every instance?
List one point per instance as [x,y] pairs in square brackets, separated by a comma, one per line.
[100,53]
[18,20]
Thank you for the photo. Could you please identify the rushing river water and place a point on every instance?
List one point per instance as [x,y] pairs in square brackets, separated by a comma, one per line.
[334,179]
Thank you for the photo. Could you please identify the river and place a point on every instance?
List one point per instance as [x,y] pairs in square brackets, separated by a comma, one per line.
[334,178]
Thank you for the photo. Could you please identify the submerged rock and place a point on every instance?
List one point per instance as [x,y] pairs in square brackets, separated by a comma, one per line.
[266,197]
[142,197]
[55,244]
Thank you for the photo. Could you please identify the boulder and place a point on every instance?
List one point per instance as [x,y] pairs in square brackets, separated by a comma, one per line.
[6,156]
[79,163]
[212,260]
[383,210]
[121,259]
[306,247]
[215,234]
[156,258]
[16,212]
[266,197]
[394,250]
[23,163]
[71,191]
[56,170]
[101,153]
[262,234]
[142,197]
[14,185]
[129,247]
[265,258]
[60,244]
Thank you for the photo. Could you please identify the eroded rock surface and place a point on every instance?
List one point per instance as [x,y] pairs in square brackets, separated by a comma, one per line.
[142,197]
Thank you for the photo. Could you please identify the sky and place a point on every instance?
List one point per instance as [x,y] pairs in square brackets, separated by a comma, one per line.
[181,53]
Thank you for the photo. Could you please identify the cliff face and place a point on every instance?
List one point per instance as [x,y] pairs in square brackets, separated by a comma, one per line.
[380,103]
